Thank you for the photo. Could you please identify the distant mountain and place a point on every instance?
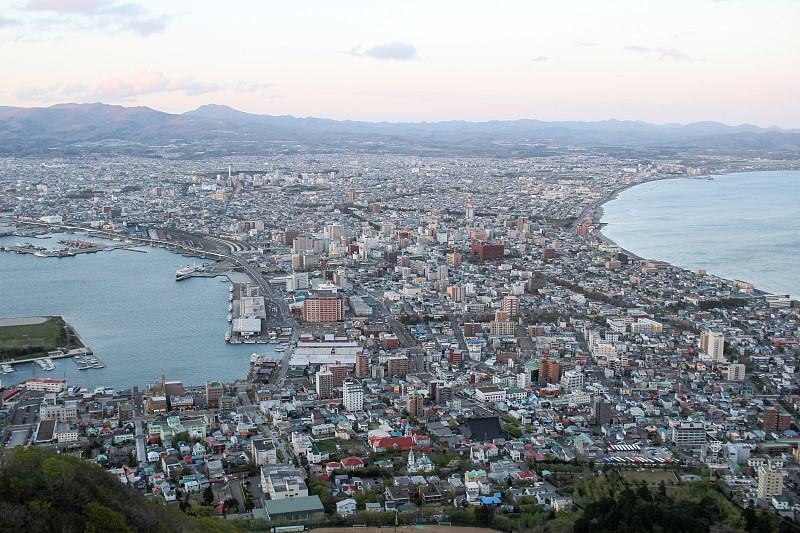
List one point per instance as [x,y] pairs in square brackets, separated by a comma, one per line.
[67,127]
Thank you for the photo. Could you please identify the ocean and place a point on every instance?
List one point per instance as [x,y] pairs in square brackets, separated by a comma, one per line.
[127,307]
[737,226]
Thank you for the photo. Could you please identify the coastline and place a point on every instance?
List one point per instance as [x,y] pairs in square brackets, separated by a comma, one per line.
[597,212]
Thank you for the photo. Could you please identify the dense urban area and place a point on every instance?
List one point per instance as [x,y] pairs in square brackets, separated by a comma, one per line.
[446,340]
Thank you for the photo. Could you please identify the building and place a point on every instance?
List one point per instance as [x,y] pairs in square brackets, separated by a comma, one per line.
[44,384]
[353,396]
[306,509]
[397,366]
[774,420]
[688,434]
[362,365]
[324,384]
[414,405]
[457,293]
[572,380]
[736,372]
[214,390]
[490,393]
[263,452]
[501,327]
[770,482]
[283,482]
[323,308]
[453,259]
[65,412]
[549,371]
[339,374]
[487,252]
[713,343]
[510,304]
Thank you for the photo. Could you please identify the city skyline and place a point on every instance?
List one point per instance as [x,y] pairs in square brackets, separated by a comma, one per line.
[696,61]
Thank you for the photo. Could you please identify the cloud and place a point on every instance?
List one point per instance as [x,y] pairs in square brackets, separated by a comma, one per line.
[147,82]
[105,15]
[661,54]
[6,22]
[395,51]
[585,44]
[251,86]
[670,54]
[86,7]
[541,59]
[131,86]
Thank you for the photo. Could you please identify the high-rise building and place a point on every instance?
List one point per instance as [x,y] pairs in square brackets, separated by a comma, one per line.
[510,304]
[774,420]
[712,343]
[770,482]
[319,308]
[324,384]
[414,405]
[549,371]
[362,365]
[353,396]
[339,374]
[736,372]
[457,293]
[453,259]
[487,252]
[688,434]
[214,391]
[397,366]
[600,412]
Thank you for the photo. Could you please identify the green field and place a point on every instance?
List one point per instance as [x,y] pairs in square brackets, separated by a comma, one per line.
[651,477]
[35,340]
[345,446]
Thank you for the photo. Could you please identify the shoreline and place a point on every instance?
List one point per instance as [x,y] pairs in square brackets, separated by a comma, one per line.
[597,212]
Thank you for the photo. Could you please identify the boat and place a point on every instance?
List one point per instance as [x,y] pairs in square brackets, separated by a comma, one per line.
[187,271]
[230,307]
[230,297]
[280,348]
[229,288]
[228,336]
[46,364]
[6,368]
[230,317]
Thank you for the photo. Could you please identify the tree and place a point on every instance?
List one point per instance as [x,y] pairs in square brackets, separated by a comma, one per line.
[208,496]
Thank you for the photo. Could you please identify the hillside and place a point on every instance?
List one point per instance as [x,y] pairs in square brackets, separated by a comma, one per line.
[136,129]
[41,491]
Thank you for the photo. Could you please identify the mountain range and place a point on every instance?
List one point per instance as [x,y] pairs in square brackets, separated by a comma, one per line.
[64,127]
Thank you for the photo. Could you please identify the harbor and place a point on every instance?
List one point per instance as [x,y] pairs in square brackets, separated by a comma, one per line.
[71,248]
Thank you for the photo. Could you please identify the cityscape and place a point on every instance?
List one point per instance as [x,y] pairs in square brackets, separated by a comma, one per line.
[430,267]
[429,335]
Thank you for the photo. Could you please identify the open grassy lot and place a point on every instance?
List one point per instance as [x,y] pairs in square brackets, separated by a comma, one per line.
[34,337]
[651,477]
[345,446]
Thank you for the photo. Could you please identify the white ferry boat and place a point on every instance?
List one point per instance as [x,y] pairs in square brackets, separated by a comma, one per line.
[228,336]
[6,368]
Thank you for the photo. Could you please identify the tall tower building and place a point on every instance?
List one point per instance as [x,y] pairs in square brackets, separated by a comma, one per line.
[324,384]
[353,396]
[470,209]
[414,405]
[362,365]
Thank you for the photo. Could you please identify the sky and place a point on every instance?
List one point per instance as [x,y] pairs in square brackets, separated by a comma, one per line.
[677,61]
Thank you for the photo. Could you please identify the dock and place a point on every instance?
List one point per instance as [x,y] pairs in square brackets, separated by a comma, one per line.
[73,248]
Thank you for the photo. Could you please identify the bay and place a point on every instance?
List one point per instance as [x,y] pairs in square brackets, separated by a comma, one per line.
[127,307]
[737,226]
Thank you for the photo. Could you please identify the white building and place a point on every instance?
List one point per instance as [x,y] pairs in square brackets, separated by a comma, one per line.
[770,482]
[353,396]
[572,380]
[490,394]
[736,372]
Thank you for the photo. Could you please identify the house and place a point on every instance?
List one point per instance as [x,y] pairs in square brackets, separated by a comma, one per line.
[398,495]
[429,494]
[352,463]
[346,507]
